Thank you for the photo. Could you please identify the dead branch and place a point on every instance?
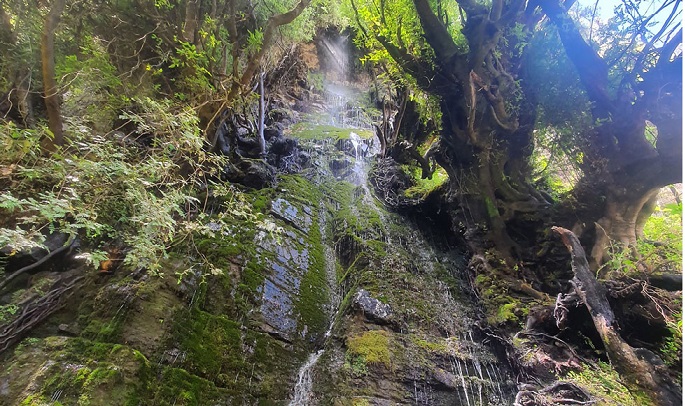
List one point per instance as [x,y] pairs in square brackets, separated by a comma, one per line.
[640,374]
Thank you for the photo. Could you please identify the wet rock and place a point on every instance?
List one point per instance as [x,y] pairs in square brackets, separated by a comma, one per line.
[248,147]
[354,146]
[69,329]
[373,309]
[274,131]
[256,174]
[285,210]
[447,379]
[283,146]
[281,286]
[285,154]
[341,167]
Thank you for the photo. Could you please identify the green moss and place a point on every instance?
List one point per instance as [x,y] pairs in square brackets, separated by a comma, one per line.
[373,346]
[86,373]
[422,187]
[212,343]
[505,313]
[604,383]
[314,292]
[431,346]
[309,131]
[491,208]
[177,386]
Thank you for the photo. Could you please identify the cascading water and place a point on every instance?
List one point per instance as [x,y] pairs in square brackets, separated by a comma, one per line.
[472,377]
[303,388]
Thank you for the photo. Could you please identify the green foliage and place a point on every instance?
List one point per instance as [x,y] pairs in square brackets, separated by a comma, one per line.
[356,364]
[91,87]
[662,245]
[421,186]
[254,41]
[672,348]
[192,67]
[102,191]
[7,312]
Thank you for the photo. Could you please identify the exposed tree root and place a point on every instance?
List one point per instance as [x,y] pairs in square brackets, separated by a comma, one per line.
[38,310]
[35,265]
[559,393]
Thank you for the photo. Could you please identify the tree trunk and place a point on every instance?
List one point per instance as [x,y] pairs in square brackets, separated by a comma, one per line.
[619,225]
[47,54]
[642,369]
[191,20]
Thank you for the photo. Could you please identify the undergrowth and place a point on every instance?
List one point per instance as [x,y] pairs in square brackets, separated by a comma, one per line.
[144,191]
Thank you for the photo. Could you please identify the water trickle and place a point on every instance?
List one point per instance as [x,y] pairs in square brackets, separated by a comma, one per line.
[458,370]
[496,380]
[303,387]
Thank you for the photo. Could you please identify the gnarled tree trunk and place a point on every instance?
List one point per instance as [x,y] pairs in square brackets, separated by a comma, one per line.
[623,165]
[622,221]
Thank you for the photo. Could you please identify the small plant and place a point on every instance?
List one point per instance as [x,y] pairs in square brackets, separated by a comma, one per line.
[7,312]
[662,245]
[356,365]
[672,349]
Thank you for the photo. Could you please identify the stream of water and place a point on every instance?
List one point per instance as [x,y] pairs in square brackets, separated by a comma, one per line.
[478,382]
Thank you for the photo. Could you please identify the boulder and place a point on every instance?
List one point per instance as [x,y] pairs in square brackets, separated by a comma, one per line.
[373,309]
[253,173]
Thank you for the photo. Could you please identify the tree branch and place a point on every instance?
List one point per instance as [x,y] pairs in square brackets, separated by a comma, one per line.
[593,71]
[436,33]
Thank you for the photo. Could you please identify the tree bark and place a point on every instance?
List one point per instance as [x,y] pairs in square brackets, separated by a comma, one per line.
[47,53]
[642,370]
[619,224]
[191,20]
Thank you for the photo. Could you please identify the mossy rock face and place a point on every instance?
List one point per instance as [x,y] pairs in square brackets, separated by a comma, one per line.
[239,310]
[429,352]
[74,371]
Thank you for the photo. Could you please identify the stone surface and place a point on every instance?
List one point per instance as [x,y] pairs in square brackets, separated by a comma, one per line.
[285,210]
[373,309]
